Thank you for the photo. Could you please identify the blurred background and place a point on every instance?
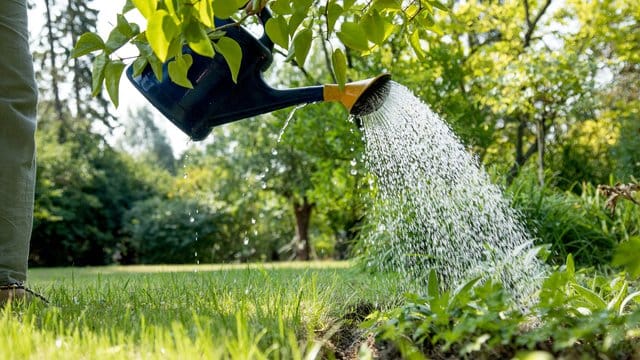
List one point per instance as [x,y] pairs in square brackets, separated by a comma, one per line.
[548,101]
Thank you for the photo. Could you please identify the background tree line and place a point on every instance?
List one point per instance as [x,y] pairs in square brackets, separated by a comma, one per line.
[546,93]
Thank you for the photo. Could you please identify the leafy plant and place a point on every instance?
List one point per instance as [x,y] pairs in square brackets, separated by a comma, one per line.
[575,313]
[574,224]
[172,24]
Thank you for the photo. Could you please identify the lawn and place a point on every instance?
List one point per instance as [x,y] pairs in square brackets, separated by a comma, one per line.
[280,311]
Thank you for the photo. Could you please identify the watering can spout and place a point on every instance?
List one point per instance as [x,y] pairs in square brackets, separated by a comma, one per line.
[360,97]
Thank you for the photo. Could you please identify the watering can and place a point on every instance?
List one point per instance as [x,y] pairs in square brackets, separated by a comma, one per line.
[216,99]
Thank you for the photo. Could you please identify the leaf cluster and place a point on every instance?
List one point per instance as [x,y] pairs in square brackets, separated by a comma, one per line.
[576,313]
[173,24]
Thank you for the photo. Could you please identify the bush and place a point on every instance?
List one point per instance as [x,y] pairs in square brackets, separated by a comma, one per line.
[83,189]
[574,224]
[178,230]
[577,316]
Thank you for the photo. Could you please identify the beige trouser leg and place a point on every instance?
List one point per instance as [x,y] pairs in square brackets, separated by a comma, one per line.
[18,97]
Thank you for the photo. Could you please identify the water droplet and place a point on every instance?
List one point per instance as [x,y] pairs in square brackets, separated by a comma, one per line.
[354,162]
[192,219]
[354,172]
[253,221]
[274,152]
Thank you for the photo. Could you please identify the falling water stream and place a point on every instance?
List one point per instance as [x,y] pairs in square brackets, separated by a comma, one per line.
[436,208]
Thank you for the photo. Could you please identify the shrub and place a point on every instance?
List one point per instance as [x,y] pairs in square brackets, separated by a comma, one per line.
[178,230]
[574,224]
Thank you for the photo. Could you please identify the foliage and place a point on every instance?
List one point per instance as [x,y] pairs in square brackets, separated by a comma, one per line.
[83,189]
[574,224]
[576,315]
[64,84]
[191,230]
[144,139]
[173,23]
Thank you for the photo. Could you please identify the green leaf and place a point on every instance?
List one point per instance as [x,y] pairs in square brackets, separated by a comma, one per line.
[339,67]
[571,268]
[204,11]
[627,300]
[294,22]
[302,44]
[432,286]
[178,70]
[127,29]
[87,43]
[334,10]
[224,8]
[302,6]
[278,31]
[436,4]
[414,40]
[626,255]
[146,7]
[139,65]
[116,40]
[156,66]
[281,7]
[175,48]
[614,304]
[197,39]
[128,6]
[375,26]
[589,296]
[353,36]
[97,73]
[462,292]
[112,74]
[161,29]
[388,5]
[347,4]
[232,53]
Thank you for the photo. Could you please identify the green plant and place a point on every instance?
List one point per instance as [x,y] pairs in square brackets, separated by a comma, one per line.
[576,313]
[170,24]
[574,224]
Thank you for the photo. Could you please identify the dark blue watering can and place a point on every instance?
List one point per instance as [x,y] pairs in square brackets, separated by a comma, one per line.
[215,99]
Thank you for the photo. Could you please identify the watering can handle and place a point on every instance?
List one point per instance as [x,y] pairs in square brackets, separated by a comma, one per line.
[264,16]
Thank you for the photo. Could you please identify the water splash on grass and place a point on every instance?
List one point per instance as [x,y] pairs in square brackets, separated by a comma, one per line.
[436,208]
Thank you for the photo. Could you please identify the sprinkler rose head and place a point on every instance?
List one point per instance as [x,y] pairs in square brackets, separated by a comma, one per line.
[361,97]
[373,96]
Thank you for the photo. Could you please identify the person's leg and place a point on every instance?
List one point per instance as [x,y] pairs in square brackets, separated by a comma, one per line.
[18,97]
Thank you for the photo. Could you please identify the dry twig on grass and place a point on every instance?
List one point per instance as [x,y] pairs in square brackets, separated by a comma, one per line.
[614,193]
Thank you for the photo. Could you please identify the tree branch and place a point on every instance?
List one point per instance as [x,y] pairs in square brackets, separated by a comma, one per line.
[515,169]
[531,25]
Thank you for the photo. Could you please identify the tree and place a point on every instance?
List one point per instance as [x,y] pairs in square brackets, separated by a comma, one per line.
[144,139]
[65,20]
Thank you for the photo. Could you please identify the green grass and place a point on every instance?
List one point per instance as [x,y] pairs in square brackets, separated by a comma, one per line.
[280,311]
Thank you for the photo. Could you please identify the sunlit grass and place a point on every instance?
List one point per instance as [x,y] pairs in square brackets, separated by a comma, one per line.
[279,311]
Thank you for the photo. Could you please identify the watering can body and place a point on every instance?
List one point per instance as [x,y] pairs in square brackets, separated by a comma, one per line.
[215,98]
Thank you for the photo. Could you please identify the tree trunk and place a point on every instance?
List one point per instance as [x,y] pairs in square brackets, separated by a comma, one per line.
[540,136]
[76,67]
[303,216]
[52,61]
[521,155]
